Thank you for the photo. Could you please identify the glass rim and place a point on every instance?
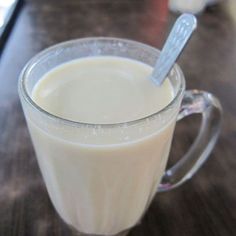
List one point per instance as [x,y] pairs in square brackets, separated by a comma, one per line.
[34,60]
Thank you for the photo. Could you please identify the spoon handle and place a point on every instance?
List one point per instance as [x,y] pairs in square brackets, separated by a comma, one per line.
[177,39]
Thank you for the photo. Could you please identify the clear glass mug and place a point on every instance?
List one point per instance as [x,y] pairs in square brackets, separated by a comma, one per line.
[101,178]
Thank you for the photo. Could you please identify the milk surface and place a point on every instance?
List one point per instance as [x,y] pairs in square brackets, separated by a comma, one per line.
[101,90]
[101,181]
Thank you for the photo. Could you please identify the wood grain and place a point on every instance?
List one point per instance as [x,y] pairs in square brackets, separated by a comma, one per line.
[204,206]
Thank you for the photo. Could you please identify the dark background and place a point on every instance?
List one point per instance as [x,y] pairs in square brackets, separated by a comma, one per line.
[204,206]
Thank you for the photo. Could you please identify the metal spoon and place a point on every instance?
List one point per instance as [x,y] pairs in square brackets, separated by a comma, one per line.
[176,41]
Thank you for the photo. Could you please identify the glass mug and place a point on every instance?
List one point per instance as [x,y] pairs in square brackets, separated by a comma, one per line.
[102,183]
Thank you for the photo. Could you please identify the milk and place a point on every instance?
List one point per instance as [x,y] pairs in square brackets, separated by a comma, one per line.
[101,90]
[102,179]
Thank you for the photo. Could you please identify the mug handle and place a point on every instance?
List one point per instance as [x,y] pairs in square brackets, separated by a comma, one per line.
[208,105]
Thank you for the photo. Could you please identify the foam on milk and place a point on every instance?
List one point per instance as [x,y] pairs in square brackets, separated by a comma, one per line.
[101,186]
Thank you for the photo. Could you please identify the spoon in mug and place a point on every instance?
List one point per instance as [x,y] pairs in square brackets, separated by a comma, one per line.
[176,41]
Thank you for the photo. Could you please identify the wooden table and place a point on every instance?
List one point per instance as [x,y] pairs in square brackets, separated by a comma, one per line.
[204,206]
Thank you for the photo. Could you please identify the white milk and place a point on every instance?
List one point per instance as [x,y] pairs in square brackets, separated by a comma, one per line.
[101,180]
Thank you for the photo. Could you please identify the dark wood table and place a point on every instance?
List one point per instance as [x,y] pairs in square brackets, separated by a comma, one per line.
[204,206]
